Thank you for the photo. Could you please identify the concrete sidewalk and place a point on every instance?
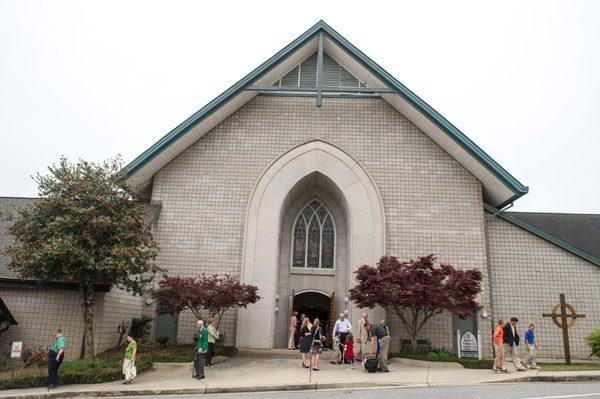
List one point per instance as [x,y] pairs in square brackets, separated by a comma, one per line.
[252,371]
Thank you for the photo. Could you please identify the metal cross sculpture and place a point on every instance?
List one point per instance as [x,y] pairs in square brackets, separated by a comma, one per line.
[563,323]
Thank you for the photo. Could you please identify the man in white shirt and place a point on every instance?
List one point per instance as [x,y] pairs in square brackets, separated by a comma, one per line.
[362,337]
[343,326]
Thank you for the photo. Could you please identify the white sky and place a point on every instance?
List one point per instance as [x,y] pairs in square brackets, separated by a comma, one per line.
[95,79]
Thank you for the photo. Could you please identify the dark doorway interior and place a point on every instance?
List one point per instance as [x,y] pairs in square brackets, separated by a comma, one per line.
[314,304]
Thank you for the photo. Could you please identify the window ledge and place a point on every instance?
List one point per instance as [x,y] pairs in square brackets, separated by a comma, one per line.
[308,270]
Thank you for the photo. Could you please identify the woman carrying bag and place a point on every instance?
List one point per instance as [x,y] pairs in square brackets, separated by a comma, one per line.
[316,346]
[129,370]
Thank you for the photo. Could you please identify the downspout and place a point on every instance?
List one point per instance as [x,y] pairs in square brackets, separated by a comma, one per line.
[489,268]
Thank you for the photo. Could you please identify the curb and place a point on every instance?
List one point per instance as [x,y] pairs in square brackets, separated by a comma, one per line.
[554,378]
[308,386]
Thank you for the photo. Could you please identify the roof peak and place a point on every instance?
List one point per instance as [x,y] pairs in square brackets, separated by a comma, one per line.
[500,187]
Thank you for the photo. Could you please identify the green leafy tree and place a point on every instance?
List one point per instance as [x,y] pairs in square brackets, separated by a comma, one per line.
[87,228]
[593,341]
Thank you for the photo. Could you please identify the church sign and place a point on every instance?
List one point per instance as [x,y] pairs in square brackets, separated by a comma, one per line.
[468,345]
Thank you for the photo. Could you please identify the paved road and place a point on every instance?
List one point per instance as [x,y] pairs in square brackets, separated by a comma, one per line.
[503,391]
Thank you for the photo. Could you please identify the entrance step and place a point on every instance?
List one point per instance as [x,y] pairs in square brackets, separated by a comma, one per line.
[278,353]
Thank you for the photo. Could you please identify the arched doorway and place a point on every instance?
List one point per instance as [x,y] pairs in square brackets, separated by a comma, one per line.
[278,187]
[314,304]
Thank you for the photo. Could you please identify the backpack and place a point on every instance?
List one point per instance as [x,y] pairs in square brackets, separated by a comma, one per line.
[371,365]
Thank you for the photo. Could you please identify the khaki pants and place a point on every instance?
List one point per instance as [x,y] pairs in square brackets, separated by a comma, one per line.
[291,339]
[362,349]
[384,346]
[513,351]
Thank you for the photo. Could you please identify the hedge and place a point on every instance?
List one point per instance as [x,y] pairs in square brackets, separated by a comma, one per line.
[76,373]
[107,370]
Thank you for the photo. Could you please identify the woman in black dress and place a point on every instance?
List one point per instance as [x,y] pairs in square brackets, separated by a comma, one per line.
[305,341]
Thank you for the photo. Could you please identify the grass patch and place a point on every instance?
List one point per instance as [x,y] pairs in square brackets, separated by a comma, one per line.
[572,367]
[440,355]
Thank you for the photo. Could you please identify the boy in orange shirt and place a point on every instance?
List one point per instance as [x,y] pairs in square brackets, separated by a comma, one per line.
[497,342]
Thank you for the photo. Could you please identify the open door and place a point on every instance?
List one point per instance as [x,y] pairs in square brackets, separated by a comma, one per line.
[331,319]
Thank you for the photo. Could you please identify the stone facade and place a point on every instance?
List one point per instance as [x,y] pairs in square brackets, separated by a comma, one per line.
[529,273]
[432,204]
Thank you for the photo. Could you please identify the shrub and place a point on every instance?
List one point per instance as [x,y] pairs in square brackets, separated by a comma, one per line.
[445,356]
[432,357]
[475,363]
[593,340]
[34,356]
[77,372]
[4,360]
[163,342]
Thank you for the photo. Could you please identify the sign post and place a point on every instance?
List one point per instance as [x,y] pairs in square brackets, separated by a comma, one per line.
[563,324]
[15,353]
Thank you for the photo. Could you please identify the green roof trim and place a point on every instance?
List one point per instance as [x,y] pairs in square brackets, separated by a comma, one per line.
[321,27]
[542,234]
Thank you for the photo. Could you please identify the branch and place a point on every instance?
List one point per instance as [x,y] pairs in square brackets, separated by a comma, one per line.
[429,316]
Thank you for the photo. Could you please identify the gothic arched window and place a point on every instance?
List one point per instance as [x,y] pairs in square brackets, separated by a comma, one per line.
[313,238]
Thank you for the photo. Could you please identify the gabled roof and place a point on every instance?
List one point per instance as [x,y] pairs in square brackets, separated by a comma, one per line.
[575,233]
[582,231]
[499,187]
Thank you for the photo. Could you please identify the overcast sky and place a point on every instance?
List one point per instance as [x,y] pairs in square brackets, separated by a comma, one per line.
[95,79]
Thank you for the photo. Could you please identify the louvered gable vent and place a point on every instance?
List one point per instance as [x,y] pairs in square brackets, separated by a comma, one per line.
[305,74]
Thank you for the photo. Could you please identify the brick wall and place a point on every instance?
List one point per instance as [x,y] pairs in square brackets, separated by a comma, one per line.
[432,203]
[529,273]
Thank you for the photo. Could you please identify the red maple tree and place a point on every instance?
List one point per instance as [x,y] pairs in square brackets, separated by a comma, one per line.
[417,290]
[212,294]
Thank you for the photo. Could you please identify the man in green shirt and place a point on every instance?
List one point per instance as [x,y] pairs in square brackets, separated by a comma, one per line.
[201,349]
[56,354]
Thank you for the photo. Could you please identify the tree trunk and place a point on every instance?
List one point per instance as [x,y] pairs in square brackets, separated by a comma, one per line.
[86,293]
[413,341]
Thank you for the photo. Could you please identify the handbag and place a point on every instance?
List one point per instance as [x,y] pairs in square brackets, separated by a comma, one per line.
[315,341]
[131,372]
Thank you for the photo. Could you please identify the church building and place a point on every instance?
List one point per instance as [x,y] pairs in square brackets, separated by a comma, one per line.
[315,163]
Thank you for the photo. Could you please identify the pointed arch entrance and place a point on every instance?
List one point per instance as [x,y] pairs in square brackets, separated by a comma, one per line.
[279,186]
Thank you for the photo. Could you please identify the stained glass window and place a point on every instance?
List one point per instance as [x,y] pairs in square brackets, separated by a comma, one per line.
[299,243]
[314,238]
[327,244]
[313,241]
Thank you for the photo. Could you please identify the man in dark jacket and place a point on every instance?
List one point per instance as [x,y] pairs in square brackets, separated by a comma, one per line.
[511,342]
